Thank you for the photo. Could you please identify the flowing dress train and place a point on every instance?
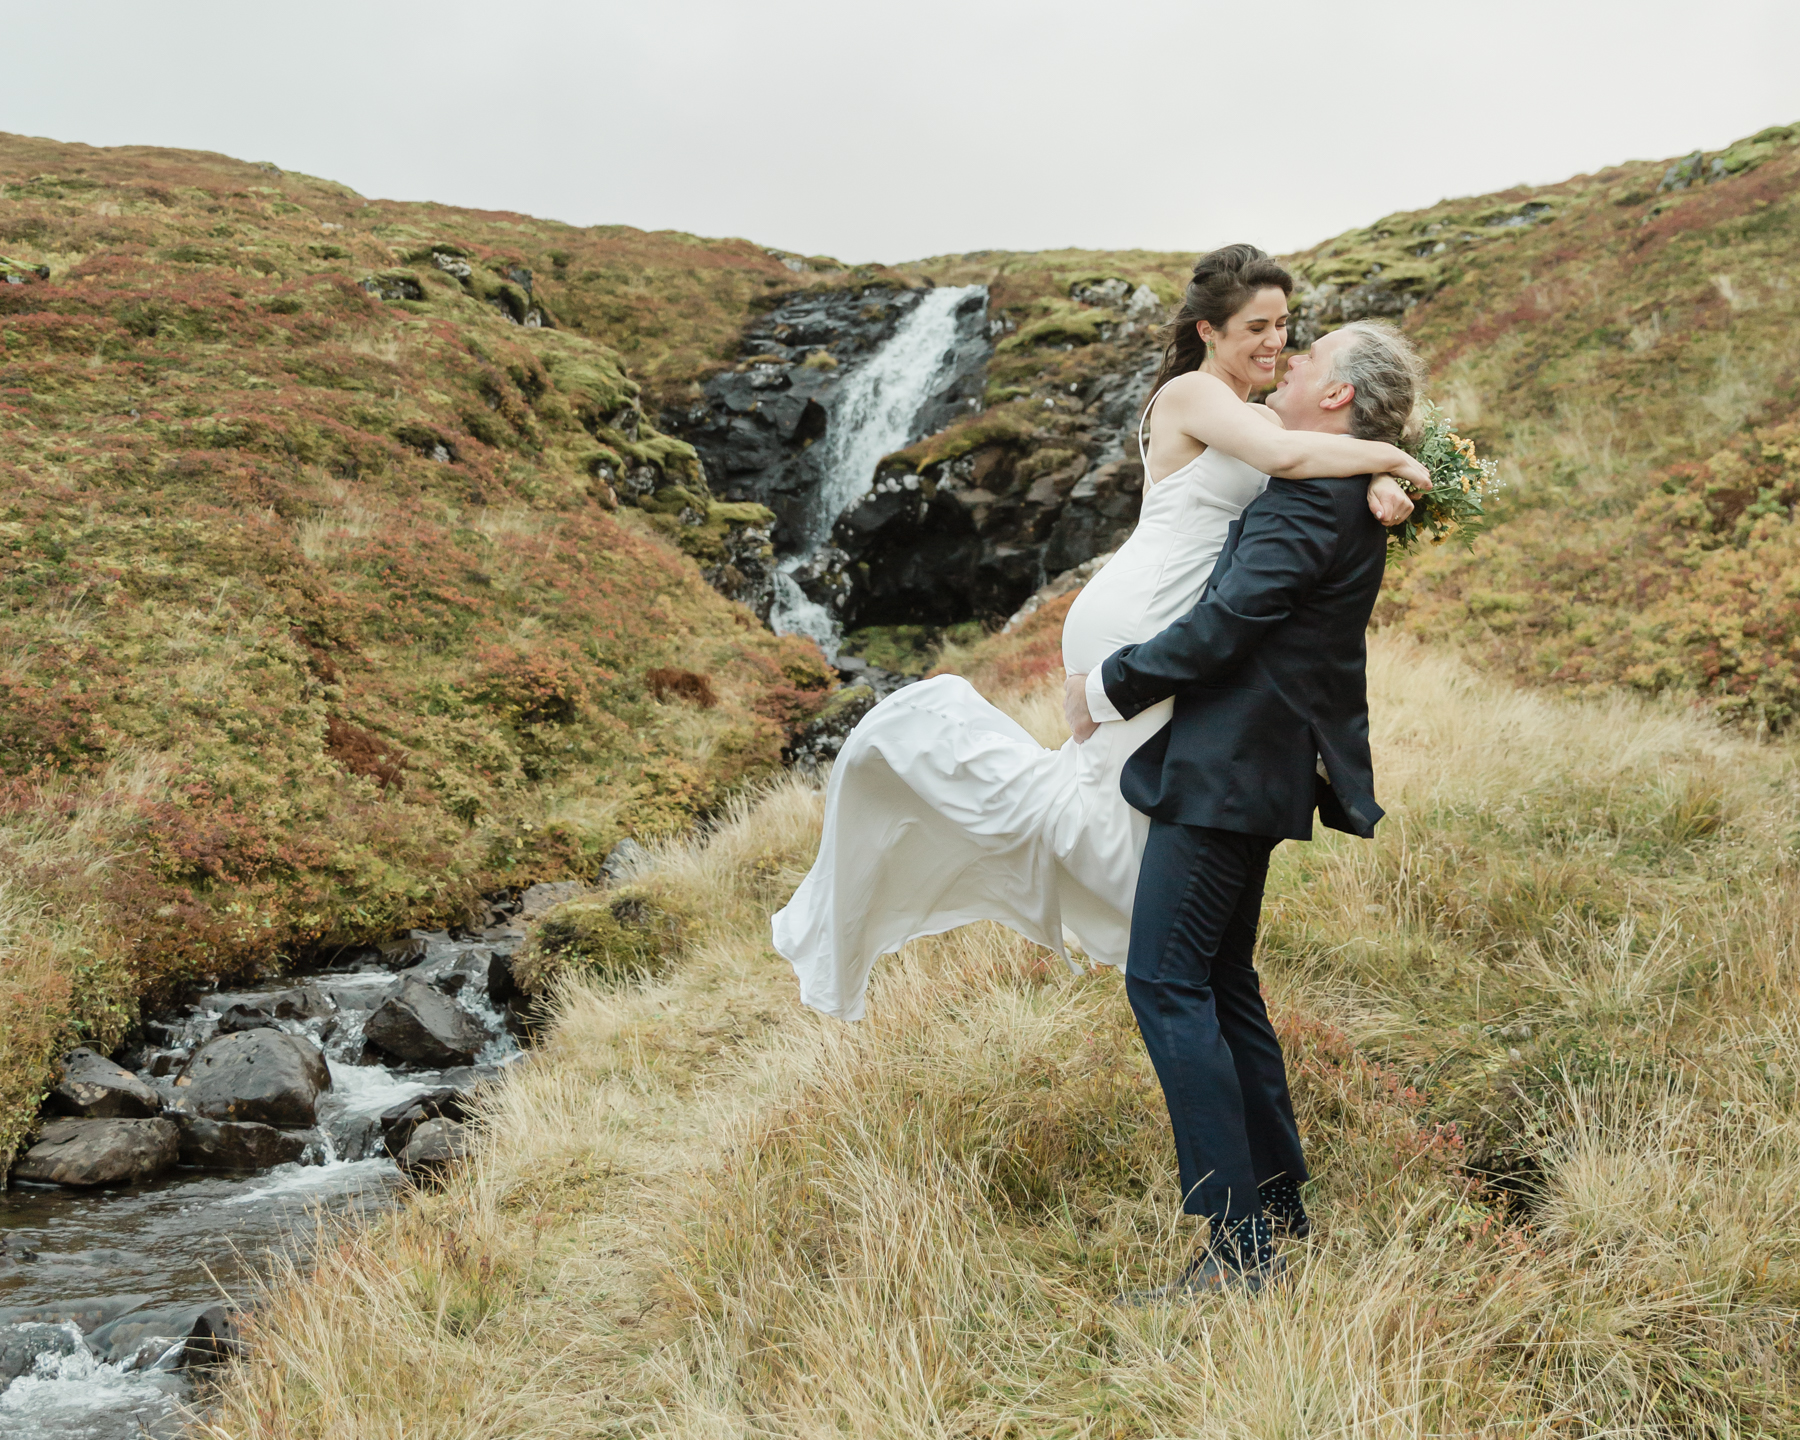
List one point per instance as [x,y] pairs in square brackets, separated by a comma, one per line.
[942,810]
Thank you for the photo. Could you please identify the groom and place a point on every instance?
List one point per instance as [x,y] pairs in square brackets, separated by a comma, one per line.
[1271,723]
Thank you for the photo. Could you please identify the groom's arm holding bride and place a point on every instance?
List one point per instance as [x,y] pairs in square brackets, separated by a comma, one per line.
[1288,539]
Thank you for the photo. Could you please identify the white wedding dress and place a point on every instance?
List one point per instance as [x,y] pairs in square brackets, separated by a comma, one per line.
[942,810]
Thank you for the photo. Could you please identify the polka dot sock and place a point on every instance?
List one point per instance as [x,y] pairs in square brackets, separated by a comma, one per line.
[1281,1201]
[1246,1244]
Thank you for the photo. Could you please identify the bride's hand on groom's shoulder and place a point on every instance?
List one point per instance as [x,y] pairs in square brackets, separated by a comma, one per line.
[1075,708]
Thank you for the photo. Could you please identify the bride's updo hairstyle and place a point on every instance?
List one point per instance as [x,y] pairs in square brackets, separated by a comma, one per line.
[1224,283]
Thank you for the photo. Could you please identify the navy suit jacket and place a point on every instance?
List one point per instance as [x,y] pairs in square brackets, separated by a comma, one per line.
[1268,671]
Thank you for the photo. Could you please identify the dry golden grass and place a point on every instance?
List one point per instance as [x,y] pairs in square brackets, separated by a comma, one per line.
[700,1211]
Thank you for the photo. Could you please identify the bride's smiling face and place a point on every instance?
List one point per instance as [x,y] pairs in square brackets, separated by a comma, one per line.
[1252,340]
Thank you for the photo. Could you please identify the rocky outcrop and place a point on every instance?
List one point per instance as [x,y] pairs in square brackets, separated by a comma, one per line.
[419,1025]
[1018,496]
[757,426]
[238,1144]
[258,1075]
[91,1086]
[83,1154]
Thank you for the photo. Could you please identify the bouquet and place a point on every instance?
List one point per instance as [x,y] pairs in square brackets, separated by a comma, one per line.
[1461,482]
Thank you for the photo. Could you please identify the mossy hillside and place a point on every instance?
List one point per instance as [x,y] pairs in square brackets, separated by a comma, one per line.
[1628,354]
[1615,340]
[316,620]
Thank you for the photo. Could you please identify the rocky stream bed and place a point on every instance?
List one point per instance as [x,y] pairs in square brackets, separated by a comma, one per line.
[223,1134]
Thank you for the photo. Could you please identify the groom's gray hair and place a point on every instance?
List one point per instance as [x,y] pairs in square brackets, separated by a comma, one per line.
[1389,378]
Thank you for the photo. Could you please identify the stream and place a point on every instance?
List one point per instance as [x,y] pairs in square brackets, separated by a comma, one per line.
[200,1237]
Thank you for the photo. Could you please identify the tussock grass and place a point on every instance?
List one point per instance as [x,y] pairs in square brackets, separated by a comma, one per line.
[1545,1058]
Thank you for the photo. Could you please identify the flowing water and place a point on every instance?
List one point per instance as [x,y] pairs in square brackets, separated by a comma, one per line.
[203,1237]
[875,412]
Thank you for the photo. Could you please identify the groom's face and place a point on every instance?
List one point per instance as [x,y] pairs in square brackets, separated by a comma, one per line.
[1307,397]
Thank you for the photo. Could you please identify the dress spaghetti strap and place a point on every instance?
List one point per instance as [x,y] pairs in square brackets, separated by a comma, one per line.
[1143,443]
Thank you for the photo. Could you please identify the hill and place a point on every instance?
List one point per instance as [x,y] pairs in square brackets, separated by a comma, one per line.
[1624,342]
[321,611]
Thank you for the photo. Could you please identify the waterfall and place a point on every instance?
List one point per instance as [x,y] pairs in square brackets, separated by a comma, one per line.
[874,413]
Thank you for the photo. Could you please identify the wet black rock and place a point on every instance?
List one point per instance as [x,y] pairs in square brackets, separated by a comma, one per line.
[83,1154]
[972,537]
[435,1146]
[418,1024]
[398,1122]
[20,1348]
[90,1085]
[759,424]
[237,1144]
[454,969]
[265,1011]
[206,1334]
[358,1138]
[261,1075]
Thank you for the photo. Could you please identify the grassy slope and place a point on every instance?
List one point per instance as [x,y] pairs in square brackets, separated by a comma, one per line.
[1630,355]
[272,672]
[701,1211]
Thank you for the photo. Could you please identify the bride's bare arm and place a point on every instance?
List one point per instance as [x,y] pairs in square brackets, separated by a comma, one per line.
[1388,503]
[1207,410]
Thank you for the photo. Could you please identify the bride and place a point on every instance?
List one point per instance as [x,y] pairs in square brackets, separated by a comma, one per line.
[941,809]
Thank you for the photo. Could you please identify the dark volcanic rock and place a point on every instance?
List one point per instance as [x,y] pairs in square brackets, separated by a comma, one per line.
[398,1122]
[254,1011]
[91,1085]
[434,1147]
[972,537]
[420,1025]
[206,1333]
[86,1153]
[237,1144]
[257,1075]
[758,426]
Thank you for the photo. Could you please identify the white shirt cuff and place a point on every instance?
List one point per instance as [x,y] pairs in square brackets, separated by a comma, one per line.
[1098,705]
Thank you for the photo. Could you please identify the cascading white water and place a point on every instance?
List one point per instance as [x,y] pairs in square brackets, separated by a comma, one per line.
[874,413]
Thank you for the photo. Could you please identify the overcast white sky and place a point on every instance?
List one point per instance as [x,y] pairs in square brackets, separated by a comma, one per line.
[897,131]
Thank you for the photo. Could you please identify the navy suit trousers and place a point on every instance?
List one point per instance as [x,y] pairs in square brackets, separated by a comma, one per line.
[1200,1009]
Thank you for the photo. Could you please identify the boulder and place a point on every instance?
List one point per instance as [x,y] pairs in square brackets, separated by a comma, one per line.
[399,1122]
[462,967]
[261,1075]
[358,1138]
[237,1144]
[92,1086]
[539,898]
[206,1333]
[263,1010]
[86,1153]
[435,1146]
[420,1025]
[20,1348]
